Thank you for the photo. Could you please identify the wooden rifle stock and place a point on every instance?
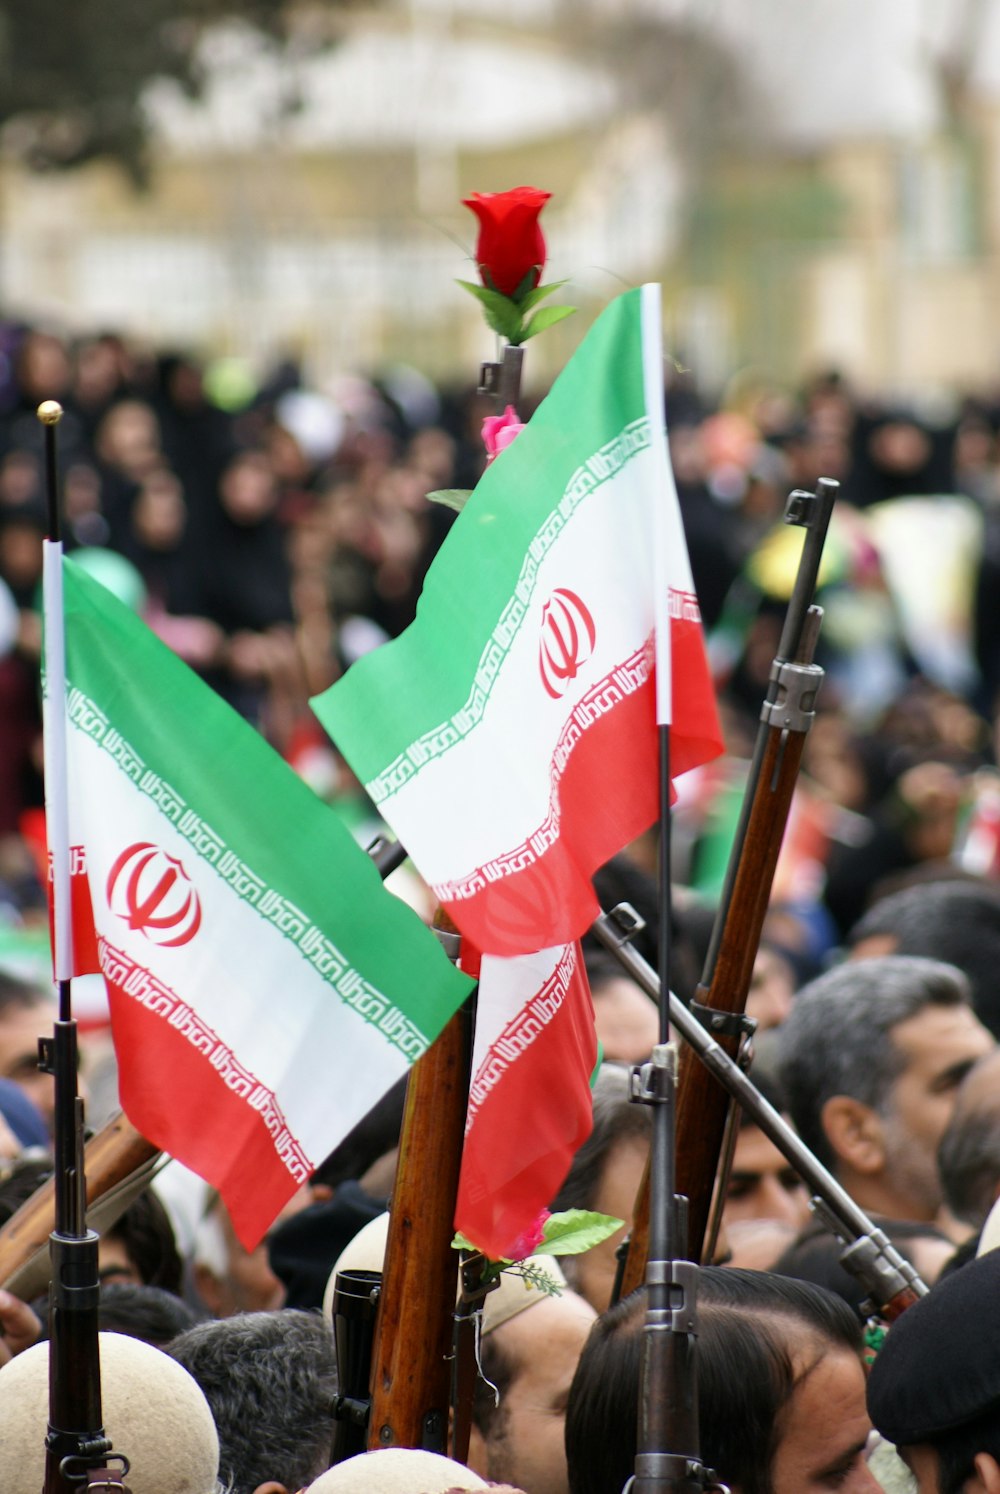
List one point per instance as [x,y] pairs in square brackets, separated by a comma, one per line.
[118,1162]
[720,1000]
[415,1336]
[411,1363]
[701,1105]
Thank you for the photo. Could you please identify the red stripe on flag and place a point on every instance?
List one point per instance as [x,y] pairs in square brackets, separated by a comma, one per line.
[173,1094]
[86,960]
[527,1129]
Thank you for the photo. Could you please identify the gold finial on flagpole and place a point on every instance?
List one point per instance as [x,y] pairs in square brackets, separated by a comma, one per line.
[50,412]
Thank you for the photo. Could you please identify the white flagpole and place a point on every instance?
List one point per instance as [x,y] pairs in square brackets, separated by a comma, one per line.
[665,508]
[54,716]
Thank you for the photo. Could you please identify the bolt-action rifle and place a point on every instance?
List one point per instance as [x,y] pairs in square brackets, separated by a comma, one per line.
[411,1362]
[890,1282]
[77,1452]
[421,1376]
[720,1000]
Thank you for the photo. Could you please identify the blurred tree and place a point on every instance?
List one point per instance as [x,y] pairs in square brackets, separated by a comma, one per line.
[72,72]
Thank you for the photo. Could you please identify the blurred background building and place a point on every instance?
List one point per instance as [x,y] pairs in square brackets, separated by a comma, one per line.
[816,185]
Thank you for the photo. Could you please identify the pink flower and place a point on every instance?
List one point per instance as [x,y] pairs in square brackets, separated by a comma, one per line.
[499,431]
[530,1240]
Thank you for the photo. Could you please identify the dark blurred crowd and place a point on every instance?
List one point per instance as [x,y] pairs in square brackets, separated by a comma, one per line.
[272,534]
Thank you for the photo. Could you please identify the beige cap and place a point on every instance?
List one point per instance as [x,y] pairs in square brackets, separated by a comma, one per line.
[397,1470]
[154,1413]
[366,1252]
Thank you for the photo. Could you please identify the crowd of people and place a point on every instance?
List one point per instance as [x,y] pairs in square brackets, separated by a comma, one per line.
[273,534]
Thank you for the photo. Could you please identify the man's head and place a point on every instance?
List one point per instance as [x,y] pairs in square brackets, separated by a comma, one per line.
[270,1379]
[531,1359]
[762,1185]
[934,1389]
[26,1014]
[153,1412]
[780,1390]
[531,1341]
[969,1154]
[605,1177]
[871,1057]
[958,922]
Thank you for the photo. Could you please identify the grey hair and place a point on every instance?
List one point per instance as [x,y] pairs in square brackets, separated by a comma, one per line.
[270,1379]
[838,1037]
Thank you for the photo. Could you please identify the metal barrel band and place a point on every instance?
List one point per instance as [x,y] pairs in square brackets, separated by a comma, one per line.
[723,1024]
[794,705]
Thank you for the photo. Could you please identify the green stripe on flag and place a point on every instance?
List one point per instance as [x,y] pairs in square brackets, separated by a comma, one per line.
[429,693]
[237,803]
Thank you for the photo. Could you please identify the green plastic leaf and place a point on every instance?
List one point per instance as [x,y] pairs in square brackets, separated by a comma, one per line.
[576,1230]
[455,498]
[547,317]
[460,1242]
[538,294]
[501,313]
[526,286]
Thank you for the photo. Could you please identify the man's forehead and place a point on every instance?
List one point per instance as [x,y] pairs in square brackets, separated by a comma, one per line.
[981,1086]
[565,1319]
[941,1036]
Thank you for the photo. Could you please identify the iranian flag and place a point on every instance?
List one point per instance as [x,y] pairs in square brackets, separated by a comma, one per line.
[529,1099]
[509,735]
[265,988]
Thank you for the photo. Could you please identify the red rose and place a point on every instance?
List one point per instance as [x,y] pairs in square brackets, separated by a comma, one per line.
[510,246]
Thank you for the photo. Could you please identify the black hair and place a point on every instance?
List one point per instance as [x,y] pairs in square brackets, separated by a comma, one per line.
[146,1312]
[145,1231]
[749,1322]
[957,1450]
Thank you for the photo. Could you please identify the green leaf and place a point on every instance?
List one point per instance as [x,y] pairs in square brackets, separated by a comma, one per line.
[501,313]
[576,1230]
[538,294]
[547,317]
[460,1242]
[526,286]
[455,498]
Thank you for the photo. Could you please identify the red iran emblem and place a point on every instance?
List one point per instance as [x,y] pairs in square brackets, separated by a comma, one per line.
[154,895]
[568,636]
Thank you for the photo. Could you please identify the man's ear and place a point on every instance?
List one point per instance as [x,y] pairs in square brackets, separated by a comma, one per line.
[854,1132]
[987,1476]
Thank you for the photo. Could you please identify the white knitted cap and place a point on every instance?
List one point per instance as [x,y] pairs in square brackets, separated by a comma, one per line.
[154,1413]
[397,1470]
[366,1252]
